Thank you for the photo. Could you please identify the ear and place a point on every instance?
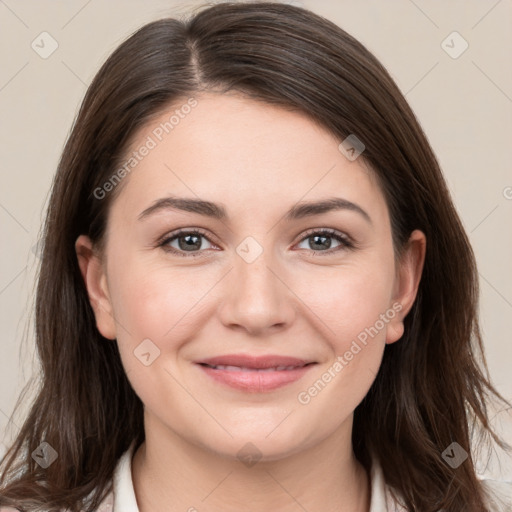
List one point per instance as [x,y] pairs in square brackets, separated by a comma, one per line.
[95,279]
[407,280]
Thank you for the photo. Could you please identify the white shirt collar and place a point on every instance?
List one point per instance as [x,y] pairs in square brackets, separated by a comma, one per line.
[123,497]
[382,500]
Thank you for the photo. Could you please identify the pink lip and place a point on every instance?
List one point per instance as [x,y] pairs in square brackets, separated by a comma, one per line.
[250,375]
[258,362]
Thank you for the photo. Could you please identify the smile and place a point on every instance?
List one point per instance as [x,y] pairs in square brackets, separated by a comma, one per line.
[254,380]
[244,368]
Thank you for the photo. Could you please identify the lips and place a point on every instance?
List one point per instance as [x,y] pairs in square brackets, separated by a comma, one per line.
[247,362]
[255,374]
[244,368]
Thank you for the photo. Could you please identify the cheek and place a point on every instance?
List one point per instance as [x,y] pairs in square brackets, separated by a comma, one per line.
[350,299]
[154,309]
[354,314]
[152,302]
[156,302]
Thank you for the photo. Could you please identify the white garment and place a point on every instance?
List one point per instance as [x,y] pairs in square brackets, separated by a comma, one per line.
[122,499]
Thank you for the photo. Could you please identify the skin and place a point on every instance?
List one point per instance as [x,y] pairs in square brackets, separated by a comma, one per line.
[295,299]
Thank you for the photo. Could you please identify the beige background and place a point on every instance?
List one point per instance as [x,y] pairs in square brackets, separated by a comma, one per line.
[464,105]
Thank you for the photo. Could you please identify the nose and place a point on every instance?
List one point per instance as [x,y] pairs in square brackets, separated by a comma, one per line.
[257,298]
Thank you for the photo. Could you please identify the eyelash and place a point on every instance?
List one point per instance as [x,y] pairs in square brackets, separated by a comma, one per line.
[345,241]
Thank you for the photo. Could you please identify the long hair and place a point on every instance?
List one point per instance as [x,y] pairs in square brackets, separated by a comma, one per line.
[433,385]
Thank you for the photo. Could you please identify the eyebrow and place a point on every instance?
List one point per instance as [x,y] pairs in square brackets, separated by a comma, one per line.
[217,211]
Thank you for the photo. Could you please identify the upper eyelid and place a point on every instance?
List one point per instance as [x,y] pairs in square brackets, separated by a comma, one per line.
[187,231]
[330,231]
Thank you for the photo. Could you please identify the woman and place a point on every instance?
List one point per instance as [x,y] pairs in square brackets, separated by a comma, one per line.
[255,290]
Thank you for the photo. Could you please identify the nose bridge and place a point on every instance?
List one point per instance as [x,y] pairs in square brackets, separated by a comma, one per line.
[253,271]
[257,298]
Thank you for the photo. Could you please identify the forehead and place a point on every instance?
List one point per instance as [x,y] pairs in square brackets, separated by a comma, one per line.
[246,154]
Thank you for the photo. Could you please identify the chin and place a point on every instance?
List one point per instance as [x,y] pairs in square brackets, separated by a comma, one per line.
[255,445]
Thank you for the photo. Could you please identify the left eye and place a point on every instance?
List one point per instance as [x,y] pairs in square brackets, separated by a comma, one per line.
[320,241]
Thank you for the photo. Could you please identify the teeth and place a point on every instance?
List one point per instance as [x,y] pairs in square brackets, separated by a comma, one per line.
[238,368]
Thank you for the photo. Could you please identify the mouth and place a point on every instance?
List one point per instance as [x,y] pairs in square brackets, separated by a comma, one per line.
[255,374]
[249,369]
[255,362]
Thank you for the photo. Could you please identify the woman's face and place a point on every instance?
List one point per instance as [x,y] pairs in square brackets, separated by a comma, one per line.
[253,274]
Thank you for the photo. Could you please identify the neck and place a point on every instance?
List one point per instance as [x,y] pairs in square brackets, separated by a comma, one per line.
[172,474]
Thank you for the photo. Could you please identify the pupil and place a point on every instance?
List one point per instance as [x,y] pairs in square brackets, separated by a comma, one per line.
[188,244]
[322,244]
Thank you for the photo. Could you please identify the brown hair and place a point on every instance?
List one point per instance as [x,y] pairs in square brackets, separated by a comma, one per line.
[432,386]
